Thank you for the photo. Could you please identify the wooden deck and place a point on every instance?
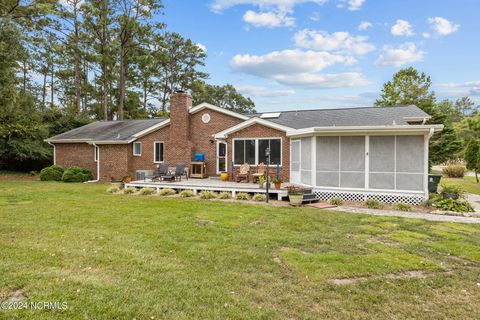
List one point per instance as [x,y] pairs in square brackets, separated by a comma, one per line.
[198,185]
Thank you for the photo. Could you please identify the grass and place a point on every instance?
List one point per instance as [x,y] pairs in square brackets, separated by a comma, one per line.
[115,256]
[469,184]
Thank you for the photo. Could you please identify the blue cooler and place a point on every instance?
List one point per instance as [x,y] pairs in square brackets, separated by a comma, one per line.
[199,157]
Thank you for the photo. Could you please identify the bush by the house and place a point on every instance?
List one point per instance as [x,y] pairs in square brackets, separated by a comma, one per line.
[242,196]
[208,195]
[336,202]
[52,173]
[147,191]
[454,189]
[166,192]
[373,204]
[113,189]
[455,171]
[186,193]
[259,197]
[77,174]
[129,190]
[454,205]
[224,195]
[402,207]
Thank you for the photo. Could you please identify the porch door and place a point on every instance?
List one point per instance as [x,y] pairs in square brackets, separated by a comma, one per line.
[221,157]
[295,161]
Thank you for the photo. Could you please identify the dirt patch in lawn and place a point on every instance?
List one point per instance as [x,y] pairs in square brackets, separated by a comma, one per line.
[12,296]
[204,222]
[417,274]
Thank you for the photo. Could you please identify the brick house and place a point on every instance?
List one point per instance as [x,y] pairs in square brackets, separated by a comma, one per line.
[338,152]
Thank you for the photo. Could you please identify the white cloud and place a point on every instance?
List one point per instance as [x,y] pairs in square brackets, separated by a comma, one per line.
[319,81]
[202,47]
[260,91]
[299,68]
[364,25]
[287,62]
[282,5]
[268,19]
[398,56]
[351,5]
[402,28]
[462,88]
[315,16]
[337,41]
[442,26]
[426,35]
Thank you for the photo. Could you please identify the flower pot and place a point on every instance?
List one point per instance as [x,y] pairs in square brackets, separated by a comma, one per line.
[261,185]
[278,185]
[450,196]
[127,179]
[296,199]
[224,176]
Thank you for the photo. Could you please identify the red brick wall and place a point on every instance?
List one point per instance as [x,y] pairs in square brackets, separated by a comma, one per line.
[202,133]
[259,131]
[114,159]
[145,161]
[76,154]
[180,103]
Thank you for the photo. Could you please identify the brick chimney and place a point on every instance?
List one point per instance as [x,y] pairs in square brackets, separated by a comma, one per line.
[180,145]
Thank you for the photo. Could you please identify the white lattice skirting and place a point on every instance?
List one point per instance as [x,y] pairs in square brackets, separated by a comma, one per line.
[413,199]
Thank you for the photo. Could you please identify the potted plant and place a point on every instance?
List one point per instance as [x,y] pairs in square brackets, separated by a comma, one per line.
[278,183]
[127,179]
[453,191]
[224,176]
[261,182]
[295,194]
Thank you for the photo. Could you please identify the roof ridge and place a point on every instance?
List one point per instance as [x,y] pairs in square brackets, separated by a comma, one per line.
[332,109]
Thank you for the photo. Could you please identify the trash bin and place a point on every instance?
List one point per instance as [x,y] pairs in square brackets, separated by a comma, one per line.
[433,181]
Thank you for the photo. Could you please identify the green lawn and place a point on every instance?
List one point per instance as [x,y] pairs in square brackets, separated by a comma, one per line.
[469,184]
[124,257]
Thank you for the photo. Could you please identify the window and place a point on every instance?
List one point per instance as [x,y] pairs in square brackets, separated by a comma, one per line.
[95,154]
[158,152]
[137,148]
[249,150]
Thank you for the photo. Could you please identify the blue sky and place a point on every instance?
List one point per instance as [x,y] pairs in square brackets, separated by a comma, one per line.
[299,54]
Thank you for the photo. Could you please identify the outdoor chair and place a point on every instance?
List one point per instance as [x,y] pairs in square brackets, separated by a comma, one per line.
[260,172]
[162,170]
[180,171]
[244,173]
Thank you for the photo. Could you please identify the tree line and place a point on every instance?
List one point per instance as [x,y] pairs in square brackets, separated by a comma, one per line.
[64,63]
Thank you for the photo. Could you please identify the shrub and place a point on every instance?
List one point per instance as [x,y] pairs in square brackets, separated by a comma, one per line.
[242,196]
[454,205]
[113,189]
[76,174]
[452,189]
[336,202]
[186,193]
[147,191]
[454,171]
[52,173]
[402,207]
[129,190]
[225,195]
[259,197]
[373,204]
[167,192]
[208,195]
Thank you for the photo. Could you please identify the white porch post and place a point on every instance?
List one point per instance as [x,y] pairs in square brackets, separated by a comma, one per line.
[367,161]
[314,161]
[426,140]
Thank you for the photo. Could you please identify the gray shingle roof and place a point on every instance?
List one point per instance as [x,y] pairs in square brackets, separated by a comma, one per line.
[108,130]
[369,116]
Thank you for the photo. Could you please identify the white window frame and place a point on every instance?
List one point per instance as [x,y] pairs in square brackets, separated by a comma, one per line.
[256,149]
[137,154]
[154,152]
[96,152]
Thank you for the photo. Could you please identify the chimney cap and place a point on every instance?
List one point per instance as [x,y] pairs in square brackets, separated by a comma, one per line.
[180,91]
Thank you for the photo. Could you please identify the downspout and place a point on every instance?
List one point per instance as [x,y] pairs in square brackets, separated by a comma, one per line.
[98,164]
[54,153]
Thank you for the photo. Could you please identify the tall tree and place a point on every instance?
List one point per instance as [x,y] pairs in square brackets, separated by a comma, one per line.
[471,156]
[222,96]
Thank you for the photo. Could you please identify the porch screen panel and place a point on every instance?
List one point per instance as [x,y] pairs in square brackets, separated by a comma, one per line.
[306,160]
[295,155]
[352,162]
[327,161]
[410,166]
[382,162]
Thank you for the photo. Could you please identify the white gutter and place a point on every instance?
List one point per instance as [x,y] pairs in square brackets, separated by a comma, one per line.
[365,129]
[54,153]
[98,164]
